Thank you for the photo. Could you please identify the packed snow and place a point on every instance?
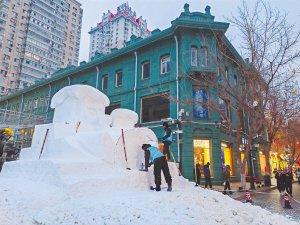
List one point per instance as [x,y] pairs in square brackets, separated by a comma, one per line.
[81,176]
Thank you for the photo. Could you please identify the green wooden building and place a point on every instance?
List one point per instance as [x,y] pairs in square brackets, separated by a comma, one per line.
[157,78]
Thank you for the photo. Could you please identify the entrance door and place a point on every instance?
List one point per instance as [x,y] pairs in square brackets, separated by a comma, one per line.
[227,158]
[202,152]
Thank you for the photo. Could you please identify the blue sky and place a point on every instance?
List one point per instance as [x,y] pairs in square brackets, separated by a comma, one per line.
[160,13]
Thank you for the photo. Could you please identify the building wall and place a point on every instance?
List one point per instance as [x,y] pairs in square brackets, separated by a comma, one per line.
[40,37]
[14,17]
[72,33]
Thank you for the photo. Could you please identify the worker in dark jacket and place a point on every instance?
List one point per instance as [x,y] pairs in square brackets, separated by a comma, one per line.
[207,175]
[167,140]
[226,175]
[153,155]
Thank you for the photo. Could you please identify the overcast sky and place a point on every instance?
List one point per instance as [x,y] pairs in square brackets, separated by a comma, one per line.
[160,13]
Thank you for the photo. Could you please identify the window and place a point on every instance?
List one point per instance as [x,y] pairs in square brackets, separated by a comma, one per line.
[204,59]
[104,82]
[146,70]
[150,110]
[226,74]
[235,80]
[227,157]
[202,152]
[194,56]
[165,64]
[200,98]
[119,75]
[111,108]
[36,103]
[224,108]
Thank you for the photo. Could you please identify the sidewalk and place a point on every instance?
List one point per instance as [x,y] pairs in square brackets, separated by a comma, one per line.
[238,195]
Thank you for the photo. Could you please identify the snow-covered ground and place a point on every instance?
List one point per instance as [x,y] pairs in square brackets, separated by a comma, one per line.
[121,197]
[81,177]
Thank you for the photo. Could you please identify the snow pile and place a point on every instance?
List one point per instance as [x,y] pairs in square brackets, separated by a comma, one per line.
[81,176]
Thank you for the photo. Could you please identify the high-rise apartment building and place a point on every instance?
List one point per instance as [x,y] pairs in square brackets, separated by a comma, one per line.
[46,38]
[115,29]
[14,16]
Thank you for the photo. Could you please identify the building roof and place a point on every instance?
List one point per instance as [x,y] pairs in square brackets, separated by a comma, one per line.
[186,19]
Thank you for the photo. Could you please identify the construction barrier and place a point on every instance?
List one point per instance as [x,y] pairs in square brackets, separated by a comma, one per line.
[248,197]
[287,202]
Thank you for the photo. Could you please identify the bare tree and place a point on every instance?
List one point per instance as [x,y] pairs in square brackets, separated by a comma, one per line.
[272,44]
[291,138]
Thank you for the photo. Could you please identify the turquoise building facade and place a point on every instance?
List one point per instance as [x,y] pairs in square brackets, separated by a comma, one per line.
[157,78]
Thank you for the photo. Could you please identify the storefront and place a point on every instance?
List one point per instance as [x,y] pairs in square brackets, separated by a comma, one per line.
[263,163]
[202,152]
[227,156]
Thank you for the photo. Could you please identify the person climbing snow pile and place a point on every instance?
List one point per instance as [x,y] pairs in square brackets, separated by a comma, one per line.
[167,140]
[154,156]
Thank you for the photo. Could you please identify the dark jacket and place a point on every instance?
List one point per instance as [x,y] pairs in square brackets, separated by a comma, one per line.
[168,135]
[282,180]
[206,171]
[289,178]
[226,175]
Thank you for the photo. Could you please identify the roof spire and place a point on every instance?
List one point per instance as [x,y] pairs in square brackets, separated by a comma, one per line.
[207,10]
[186,8]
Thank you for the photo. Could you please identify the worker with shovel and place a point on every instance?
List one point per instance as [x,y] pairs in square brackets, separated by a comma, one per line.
[153,155]
[5,134]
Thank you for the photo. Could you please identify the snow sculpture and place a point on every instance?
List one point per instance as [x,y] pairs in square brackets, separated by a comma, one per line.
[81,131]
[84,147]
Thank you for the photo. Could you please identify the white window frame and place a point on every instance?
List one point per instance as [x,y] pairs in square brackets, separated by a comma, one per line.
[146,62]
[204,58]
[116,78]
[164,60]
[226,74]
[102,82]
[194,56]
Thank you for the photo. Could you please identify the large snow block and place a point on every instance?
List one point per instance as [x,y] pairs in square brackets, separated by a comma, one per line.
[79,103]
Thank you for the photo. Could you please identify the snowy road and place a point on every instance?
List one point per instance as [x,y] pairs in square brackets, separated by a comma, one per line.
[273,202]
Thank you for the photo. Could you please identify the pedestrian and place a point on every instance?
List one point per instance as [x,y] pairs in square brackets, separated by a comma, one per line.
[278,180]
[226,175]
[207,175]
[198,173]
[167,140]
[282,178]
[298,175]
[289,182]
[154,156]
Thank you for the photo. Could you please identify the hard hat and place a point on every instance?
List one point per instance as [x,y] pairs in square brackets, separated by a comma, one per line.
[8,131]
